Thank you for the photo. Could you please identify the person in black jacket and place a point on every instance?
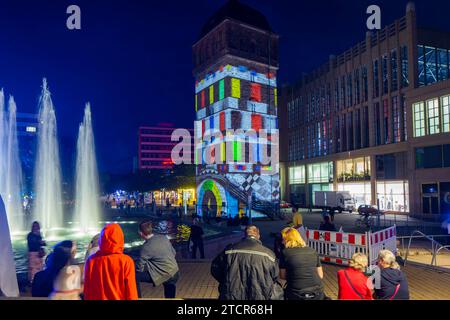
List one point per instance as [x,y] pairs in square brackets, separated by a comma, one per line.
[247,270]
[196,237]
[393,282]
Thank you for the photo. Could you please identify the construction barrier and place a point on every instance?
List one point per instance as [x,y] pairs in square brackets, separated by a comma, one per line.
[339,247]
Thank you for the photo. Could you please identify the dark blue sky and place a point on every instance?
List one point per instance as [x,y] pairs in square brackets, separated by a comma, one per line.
[132,58]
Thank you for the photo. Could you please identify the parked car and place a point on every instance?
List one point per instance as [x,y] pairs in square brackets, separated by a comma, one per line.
[368,209]
[285,205]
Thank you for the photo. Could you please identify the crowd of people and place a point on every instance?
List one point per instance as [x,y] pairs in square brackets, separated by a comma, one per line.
[246,270]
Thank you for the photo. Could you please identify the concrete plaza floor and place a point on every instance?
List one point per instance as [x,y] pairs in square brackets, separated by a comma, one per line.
[196,282]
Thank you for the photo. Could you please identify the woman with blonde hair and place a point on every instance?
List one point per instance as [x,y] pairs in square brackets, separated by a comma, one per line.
[393,283]
[353,283]
[301,268]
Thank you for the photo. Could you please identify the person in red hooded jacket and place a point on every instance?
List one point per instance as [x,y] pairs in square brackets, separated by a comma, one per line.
[109,274]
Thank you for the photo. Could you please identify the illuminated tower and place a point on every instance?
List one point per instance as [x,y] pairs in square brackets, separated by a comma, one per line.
[235,67]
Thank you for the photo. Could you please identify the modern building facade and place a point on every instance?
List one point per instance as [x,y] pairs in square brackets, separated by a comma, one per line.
[235,68]
[155,147]
[374,121]
[27,130]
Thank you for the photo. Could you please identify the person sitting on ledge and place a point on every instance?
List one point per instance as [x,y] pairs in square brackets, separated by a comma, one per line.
[157,264]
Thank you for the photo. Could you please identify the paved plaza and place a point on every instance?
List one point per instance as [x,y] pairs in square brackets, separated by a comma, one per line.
[196,282]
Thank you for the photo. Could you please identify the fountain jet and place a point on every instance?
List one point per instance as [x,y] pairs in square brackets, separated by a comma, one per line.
[10,166]
[87,207]
[48,208]
[13,177]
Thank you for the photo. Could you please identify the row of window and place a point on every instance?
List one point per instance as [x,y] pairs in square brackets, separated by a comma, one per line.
[216,92]
[317,173]
[352,89]
[431,116]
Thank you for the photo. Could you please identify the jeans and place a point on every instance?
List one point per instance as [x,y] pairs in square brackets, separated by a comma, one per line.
[198,243]
[170,288]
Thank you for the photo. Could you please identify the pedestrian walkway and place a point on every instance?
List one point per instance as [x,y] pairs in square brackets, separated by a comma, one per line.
[196,282]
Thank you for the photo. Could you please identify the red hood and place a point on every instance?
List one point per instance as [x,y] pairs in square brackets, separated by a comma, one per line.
[111,239]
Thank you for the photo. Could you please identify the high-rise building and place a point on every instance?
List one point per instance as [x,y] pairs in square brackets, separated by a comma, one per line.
[235,68]
[27,128]
[373,121]
[155,147]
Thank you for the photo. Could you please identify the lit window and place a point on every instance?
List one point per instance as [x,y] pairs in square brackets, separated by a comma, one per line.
[211,94]
[236,88]
[419,119]
[433,116]
[446,114]
[255,92]
[31,129]
[221,89]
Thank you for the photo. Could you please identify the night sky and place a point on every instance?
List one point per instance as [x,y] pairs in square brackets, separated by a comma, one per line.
[132,59]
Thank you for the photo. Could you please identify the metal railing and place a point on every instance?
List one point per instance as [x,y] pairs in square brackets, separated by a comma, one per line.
[436,246]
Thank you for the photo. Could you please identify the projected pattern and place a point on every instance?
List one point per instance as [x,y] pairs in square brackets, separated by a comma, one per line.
[235,97]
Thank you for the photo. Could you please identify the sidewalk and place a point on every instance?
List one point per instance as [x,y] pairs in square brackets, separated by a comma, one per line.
[196,282]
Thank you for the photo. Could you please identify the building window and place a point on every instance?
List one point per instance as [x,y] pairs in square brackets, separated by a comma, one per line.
[384,73]
[445,101]
[405,71]
[376,83]
[377,124]
[357,88]
[320,172]
[236,88]
[442,64]
[396,119]
[386,116]
[429,157]
[350,130]
[366,127]
[196,103]
[255,92]
[421,65]
[349,90]
[433,116]
[419,119]
[365,83]
[394,70]
[357,169]
[297,175]
[404,123]
[211,94]
[221,89]
[393,195]
[433,65]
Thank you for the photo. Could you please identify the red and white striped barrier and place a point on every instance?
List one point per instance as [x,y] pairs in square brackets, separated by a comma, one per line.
[339,247]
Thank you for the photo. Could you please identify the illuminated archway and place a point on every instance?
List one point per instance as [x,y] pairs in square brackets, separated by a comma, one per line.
[211,193]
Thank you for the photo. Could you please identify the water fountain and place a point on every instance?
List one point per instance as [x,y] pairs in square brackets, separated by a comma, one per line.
[10,167]
[13,179]
[48,208]
[3,145]
[87,208]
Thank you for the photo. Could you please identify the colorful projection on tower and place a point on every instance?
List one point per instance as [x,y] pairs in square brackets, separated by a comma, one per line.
[235,98]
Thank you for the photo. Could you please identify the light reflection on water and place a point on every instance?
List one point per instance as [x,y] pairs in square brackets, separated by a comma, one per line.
[176,232]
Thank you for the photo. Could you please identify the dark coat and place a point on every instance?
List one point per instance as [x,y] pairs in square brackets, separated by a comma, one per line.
[247,271]
[390,278]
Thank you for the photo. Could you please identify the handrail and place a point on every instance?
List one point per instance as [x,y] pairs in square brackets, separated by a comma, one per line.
[437,252]
[434,244]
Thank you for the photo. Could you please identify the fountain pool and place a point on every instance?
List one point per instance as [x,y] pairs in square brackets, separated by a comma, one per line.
[177,233]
